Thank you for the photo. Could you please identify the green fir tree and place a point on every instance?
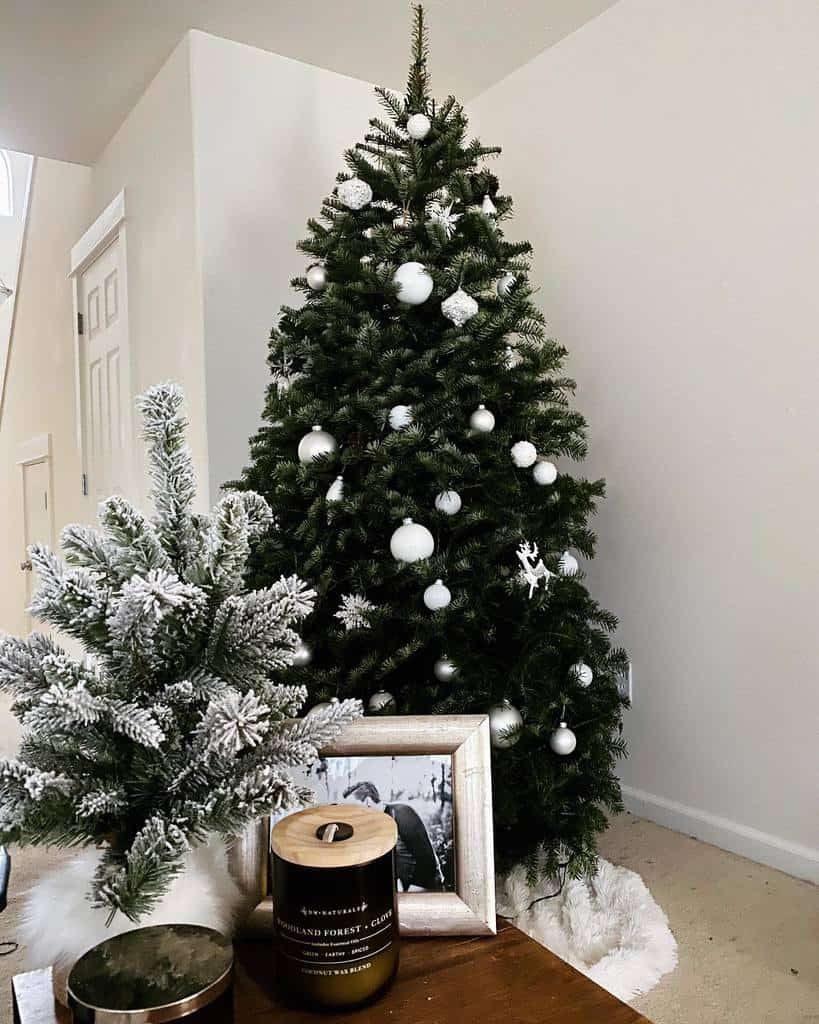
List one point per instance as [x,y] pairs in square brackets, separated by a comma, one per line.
[349,360]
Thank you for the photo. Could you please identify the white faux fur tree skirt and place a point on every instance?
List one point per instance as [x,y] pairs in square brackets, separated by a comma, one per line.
[608,926]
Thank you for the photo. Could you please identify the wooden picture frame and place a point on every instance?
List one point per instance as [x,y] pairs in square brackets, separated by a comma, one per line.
[470,910]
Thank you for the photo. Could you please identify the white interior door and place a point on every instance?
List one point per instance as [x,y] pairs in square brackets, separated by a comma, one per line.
[36,513]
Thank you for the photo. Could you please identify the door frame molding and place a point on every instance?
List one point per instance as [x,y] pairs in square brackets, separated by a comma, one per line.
[29,453]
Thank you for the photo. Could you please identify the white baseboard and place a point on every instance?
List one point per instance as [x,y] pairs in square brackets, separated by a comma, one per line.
[792,858]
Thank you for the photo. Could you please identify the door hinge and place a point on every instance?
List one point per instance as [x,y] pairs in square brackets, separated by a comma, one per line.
[85,485]
[80,324]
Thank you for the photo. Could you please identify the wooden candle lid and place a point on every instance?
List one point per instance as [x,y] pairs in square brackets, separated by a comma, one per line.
[295,837]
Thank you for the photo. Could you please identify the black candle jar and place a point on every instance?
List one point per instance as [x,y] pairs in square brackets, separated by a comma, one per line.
[334,904]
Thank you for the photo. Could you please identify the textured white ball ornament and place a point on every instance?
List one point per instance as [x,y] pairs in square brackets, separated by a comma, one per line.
[411,542]
[503,718]
[459,307]
[545,472]
[437,596]
[380,701]
[582,673]
[354,193]
[448,502]
[400,417]
[317,278]
[335,492]
[504,284]
[303,655]
[414,283]
[568,564]
[488,207]
[444,670]
[563,740]
[322,706]
[418,126]
[524,454]
[315,444]
[482,419]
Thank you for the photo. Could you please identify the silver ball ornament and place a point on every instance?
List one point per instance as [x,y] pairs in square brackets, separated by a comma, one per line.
[568,564]
[582,673]
[503,718]
[400,417]
[317,278]
[354,193]
[414,283]
[544,472]
[437,596]
[303,655]
[448,502]
[380,701]
[523,454]
[418,126]
[315,444]
[321,706]
[411,542]
[504,285]
[563,740]
[335,492]
[482,420]
[444,670]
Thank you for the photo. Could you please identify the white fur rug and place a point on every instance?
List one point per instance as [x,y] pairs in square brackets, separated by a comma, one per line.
[607,926]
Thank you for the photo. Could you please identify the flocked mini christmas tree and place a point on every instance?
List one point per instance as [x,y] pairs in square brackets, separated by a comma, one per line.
[411,428]
[173,726]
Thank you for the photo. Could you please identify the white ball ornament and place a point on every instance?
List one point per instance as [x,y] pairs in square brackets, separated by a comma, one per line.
[563,740]
[488,207]
[568,564]
[504,285]
[317,278]
[335,492]
[400,417]
[418,126]
[413,282]
[544,472]
[315,444]
[437,596]
[448,502]
[459,307]
[503,718]
[380,701]
[524,454]
[324,705]
[582,673]
[482,420]
[303,655]
[368,232]
[354,193]
[411,542]
[444,670]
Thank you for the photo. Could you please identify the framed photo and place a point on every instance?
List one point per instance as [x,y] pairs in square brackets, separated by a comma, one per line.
[432,775]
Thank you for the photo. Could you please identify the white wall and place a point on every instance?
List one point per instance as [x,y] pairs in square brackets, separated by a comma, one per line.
[269,137]
[663,159]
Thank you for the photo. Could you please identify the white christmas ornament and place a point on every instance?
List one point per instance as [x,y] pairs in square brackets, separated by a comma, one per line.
[354,612]
[532,571]
[366,260]
[335,492]
[524,454]
[317,278]
[303,655]
[380,701]
[504,285]
[488,207]
[368,232]
[503,718]
[315,444]
[512,358]
[459,307]
[400,417]
[411,542]
[563,740]
[443,217]
[444,669]
[354,193]
[568,564]
[318,708]
[437,596]
[414,283]
[448,502]
[582,673]
[418,126]
[545,472]
[482,420]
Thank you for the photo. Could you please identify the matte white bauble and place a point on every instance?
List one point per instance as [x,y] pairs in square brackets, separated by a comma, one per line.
[317,278]
[380,701]
[400,417]
[444,670]
[563,740]
[354,193]
[459,307]
[315,444]
[505,284]
[414,283]
[303,655]
[366,260]
[524,454]
[582,673]
[321,706]
[568,564]
[437,596]
[488,207]
[418,126]
[448,502]
[545,472]
[335,492]
[411,542]
[503,718]
[482,419]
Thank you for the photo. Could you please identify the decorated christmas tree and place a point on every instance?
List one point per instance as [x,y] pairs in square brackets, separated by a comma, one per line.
[174,725]
[410,431]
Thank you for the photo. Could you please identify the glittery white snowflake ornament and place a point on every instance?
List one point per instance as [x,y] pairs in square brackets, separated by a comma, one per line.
[533,571]
[354,193]
[354,611]
[459,307]
[443,217]
[284,376]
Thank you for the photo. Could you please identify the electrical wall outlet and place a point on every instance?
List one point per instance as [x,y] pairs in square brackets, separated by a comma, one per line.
[625,684]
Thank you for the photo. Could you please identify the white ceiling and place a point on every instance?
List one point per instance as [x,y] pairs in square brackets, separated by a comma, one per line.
[70,70]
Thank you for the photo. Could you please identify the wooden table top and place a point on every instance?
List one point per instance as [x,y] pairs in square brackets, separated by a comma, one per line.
[505,978]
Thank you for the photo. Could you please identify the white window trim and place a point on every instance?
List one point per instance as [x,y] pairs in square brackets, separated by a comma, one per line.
[9,196]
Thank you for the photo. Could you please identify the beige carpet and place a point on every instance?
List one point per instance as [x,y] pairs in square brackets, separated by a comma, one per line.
[748,936]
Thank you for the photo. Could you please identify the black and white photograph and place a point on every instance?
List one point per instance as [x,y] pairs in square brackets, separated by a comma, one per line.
[416,792]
